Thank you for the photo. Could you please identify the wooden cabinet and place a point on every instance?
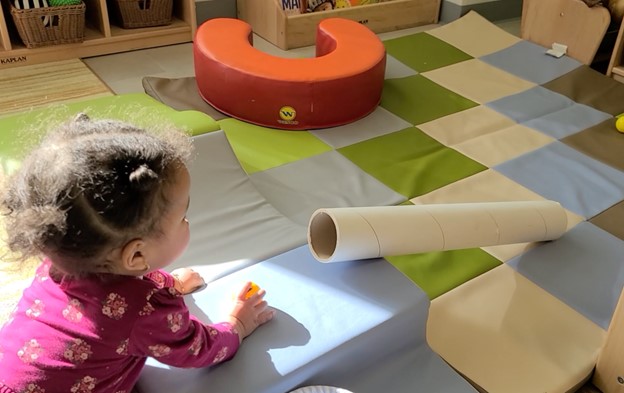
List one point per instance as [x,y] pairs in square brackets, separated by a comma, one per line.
[102,35]
[616,64]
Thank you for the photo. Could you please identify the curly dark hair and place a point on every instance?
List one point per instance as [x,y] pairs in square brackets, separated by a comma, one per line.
[89,187]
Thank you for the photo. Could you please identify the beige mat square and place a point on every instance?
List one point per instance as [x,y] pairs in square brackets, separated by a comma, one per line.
[475,35]
[485,135]
[508,335]
[465,125]
[478,81]
[503,145]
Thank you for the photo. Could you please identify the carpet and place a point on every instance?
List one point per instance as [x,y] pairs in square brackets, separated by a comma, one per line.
[38,85]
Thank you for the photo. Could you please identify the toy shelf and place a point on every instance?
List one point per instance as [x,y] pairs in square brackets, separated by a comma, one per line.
[269,21]
[616,67]
[102,36]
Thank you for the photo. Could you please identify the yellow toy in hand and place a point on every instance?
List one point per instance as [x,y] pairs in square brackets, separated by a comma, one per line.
[253,289]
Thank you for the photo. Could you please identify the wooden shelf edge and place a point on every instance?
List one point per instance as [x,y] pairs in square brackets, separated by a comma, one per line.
[101,37]
[270,21]
[618,70]
[616,54]
[96,46]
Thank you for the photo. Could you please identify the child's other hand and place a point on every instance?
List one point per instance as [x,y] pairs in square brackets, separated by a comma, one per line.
[187,280]
[250,312]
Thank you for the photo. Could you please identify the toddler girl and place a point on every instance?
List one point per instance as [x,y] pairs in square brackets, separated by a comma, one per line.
[104,203]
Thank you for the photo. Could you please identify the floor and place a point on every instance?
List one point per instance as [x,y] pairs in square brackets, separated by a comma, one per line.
[123,72]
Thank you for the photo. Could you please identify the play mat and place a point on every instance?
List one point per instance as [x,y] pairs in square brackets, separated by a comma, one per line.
[469,113]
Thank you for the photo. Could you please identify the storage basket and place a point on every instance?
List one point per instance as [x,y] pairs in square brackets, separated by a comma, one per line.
[50,25]
[143,13]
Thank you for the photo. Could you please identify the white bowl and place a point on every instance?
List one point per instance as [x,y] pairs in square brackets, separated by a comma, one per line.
[320,389]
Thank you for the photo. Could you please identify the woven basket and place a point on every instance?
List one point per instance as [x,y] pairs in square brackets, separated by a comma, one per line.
[50,25]
[144,13]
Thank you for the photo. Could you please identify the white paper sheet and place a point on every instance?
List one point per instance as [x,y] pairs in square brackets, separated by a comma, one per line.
[344,234]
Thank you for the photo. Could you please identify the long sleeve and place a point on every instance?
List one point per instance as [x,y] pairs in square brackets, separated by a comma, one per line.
[166,331]
[94,333]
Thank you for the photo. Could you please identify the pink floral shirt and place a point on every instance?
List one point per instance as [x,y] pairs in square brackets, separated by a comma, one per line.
[94,334]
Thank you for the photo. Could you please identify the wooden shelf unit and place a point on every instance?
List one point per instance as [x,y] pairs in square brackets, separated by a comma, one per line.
[616,66]
[269,21]
[102,36]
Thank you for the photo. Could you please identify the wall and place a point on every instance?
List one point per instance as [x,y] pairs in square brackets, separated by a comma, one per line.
[208,9]
[491,9]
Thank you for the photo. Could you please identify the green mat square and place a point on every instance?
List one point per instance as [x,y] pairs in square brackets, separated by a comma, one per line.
[424,52]
[21,132]
[418,100]
[411,162]
[438,272]
[260,148]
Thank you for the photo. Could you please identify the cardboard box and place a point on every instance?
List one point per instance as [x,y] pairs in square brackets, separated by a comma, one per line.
[271,22]
[324,5]
[293,7]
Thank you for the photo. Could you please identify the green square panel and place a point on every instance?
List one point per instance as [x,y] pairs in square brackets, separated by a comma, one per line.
[438,272]
[19,133]
[260,148]
[418,100]
[424,52]
[416,165]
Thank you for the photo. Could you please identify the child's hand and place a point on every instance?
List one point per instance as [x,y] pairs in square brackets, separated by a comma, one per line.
[186,280]
[250,311]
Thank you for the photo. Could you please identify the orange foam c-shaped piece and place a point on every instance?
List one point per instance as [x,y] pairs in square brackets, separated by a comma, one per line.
[343,83]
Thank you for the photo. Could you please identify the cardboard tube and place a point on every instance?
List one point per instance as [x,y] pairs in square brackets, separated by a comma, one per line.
[342,234]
